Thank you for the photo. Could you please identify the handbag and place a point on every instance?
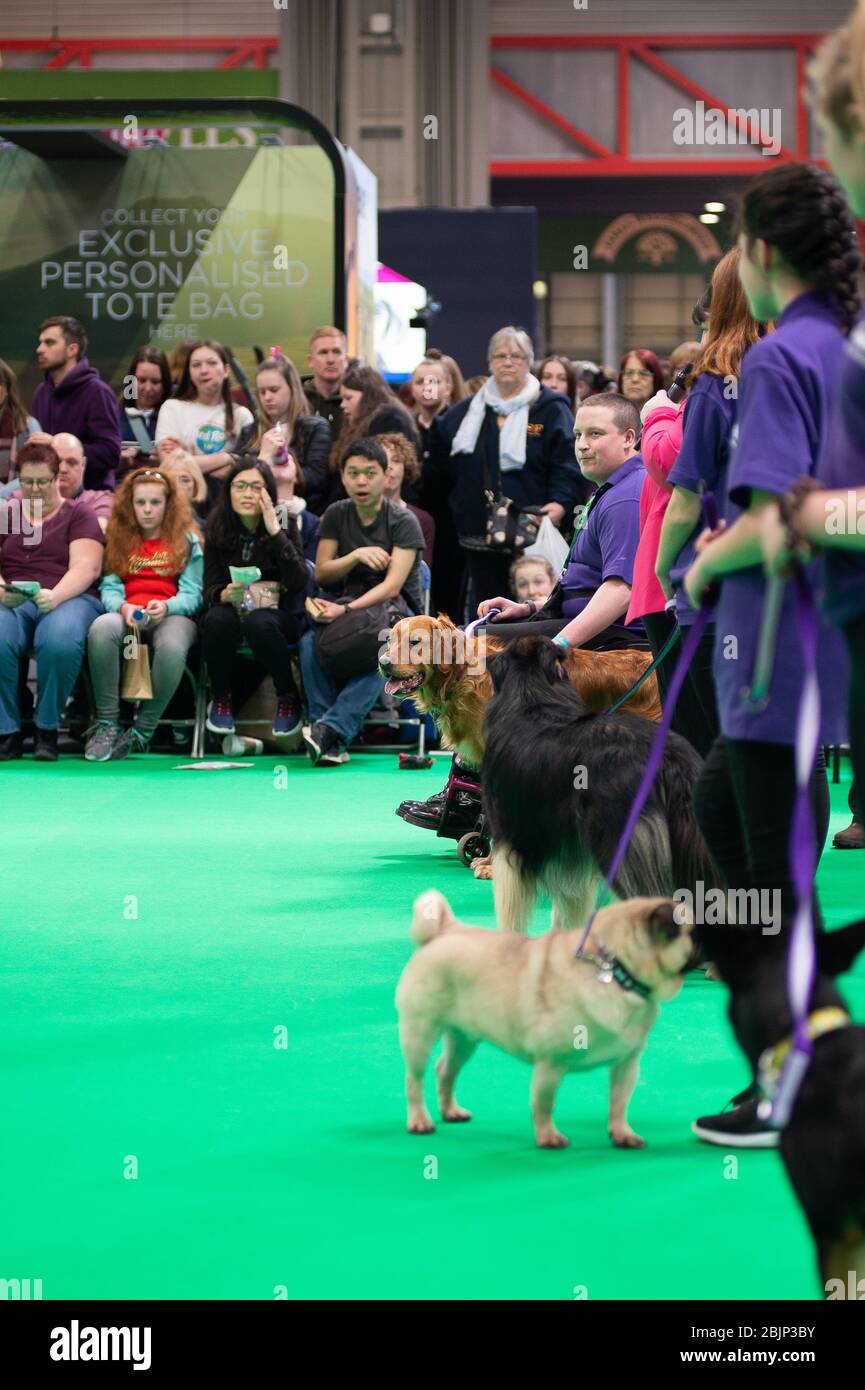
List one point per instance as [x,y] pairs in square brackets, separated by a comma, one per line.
[265,593]
[136,683]
[350,645]
[510,526]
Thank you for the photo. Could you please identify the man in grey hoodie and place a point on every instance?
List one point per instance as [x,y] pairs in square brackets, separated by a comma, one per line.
[73,398]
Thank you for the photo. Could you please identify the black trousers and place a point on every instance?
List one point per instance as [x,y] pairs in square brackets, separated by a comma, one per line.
[744,807]
[854,632]
[266,631]
[696,716]
[487,575]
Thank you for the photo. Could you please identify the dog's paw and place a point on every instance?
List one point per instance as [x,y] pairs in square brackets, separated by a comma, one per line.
[454,1114]
[421,1122]
[626,1139]
[482,868]
[551,1139]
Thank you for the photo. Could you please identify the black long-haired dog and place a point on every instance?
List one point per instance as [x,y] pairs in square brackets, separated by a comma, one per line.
[558,784]
[823,1144]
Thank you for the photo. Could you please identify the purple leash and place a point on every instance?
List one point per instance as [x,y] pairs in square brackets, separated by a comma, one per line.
[657,751]
[801,958]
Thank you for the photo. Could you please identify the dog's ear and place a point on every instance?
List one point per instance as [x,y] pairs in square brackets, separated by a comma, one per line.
[664,923]
[837,950]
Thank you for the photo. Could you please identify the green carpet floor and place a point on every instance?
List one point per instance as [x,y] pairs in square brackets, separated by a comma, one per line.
[141,992]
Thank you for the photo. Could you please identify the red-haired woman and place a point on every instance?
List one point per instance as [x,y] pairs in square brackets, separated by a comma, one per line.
[640,376]
[154,563]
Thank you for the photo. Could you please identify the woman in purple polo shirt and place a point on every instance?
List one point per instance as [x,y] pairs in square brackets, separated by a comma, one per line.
[798,267]
[56,544]
[835,520]
[709,418]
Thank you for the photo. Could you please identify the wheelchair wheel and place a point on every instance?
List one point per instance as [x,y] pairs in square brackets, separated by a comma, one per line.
[473,845]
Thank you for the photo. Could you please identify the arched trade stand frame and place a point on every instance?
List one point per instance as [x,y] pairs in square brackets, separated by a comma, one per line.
[240,220]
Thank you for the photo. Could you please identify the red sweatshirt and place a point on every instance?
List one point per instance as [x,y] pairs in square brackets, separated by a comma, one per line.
[150,573]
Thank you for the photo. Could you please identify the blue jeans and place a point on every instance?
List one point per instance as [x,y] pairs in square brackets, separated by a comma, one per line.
[342,710]
[58,639]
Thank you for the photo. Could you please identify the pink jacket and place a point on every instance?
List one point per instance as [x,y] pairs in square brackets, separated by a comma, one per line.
[660,445]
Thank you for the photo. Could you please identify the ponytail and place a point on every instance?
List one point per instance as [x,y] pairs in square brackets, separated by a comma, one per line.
[801,211]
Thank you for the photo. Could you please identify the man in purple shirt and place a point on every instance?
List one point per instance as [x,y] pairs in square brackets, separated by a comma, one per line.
[74,399]
[588,605]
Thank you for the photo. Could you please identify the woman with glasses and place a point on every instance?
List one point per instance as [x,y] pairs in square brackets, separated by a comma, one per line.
[55,543]
[153,566]
[640,376]
[243,531]
[514,437]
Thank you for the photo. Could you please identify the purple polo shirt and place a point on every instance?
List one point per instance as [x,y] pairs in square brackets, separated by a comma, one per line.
[606,545]
[842,465]
[48,561]
[785,398]
[709,417]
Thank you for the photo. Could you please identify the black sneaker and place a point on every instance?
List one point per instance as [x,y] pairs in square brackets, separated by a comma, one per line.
[319,739]
[463,812]
[10,746]
[739,1127]
[289,715]
[45,745]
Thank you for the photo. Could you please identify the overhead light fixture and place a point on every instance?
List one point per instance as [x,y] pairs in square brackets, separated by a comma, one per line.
[715,207]
[709,218]
[540,289]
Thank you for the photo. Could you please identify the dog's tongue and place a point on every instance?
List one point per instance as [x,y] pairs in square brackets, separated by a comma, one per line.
[391,686]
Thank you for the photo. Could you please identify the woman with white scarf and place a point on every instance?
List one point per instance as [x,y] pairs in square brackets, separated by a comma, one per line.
[514,436]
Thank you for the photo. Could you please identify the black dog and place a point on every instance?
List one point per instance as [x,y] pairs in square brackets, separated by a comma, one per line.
[823,1145]
[558,784]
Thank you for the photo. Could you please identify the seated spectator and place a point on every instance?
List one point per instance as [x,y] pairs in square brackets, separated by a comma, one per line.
[588,605]
[244,530]
[328,360]
[291,505]
[558,374]
[183,468]
[146,387]
[287,422]
[403,469]
[436,384]
[369,408]
[593,380]
[640,376]
[369,554]
[684,353]
[58,544]
[514,437]
[532,579]
[74,399]
[16,425]
[202,417]
[177,360]
[70,479]
[153,564]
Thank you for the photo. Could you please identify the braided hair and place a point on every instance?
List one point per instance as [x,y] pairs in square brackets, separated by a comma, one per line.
[801,210]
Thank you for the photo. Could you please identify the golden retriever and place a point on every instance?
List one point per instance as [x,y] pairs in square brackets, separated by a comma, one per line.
[431,661]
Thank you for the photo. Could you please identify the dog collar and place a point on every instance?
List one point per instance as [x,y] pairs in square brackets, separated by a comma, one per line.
[612,969]
[818,1023]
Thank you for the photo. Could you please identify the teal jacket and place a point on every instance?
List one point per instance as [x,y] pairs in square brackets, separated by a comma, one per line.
[186,602]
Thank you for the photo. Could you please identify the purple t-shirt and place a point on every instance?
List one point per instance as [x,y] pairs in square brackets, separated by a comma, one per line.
[48,560]
[606,545]
[785,397]
[842,465]
[709,417]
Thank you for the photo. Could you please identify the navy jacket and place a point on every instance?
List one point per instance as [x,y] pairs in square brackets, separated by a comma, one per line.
[550,473]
